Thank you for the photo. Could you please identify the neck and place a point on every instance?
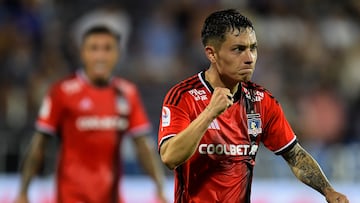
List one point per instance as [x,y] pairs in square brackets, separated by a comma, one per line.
[216,80]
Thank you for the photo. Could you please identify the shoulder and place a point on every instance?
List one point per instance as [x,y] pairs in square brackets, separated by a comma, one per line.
[124,85]
[177,91]
[187,83]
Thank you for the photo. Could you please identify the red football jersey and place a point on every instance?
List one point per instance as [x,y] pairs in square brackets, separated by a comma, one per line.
[221,168]
[91,121]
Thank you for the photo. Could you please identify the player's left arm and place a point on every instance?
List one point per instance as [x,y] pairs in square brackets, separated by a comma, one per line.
[308,171]
[150,162]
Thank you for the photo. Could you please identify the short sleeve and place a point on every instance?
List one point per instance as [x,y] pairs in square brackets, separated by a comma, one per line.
[50,112]
[138,121]
[174,119]
[278,136]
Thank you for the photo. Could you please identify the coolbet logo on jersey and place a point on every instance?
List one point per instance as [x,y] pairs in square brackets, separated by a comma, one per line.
[228,149]
[165,117]
[101,123]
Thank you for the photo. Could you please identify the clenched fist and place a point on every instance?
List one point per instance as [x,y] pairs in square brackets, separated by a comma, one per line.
[220,101]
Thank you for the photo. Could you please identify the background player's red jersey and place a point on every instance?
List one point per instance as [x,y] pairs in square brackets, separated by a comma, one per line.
[221,168]
[90,122]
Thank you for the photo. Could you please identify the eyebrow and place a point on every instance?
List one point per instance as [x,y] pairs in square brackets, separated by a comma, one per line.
[242,46]
[253,45]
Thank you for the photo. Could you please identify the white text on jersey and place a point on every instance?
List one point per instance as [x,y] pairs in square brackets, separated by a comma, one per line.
[228,149]
[258,96]
[101,123]
[198,94]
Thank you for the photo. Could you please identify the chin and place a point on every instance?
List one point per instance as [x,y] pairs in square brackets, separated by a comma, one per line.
[101,82]
[246,78]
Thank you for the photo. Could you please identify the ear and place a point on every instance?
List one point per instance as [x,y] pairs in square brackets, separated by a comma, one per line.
[210,53]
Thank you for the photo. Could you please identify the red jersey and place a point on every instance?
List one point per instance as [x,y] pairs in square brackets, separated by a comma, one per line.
[221,168]
[91,122]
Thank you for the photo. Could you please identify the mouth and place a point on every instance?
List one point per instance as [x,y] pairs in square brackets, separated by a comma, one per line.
[244,71]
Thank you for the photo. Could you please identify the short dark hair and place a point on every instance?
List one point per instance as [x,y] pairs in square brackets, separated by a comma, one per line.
[217,24]
[100,29]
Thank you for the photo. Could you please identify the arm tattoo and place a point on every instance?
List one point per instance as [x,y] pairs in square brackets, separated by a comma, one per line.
[306,168]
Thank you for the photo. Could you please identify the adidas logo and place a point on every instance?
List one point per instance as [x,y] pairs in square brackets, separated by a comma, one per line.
[214,125]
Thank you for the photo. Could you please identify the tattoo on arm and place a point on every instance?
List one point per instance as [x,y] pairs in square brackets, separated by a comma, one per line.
[306,169]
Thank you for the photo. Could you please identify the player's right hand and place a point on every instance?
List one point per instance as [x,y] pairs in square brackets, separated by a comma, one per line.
[220,101]
[22,199]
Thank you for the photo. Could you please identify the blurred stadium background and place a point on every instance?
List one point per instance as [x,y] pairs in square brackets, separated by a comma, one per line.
[309,58]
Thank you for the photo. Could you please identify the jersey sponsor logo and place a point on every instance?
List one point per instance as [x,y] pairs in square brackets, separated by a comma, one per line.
[101,123]
[258,96]
[228,149]
[198,94]
[254,124]
[214,125]
[45,108]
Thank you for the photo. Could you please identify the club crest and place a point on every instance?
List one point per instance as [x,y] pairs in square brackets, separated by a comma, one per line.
[122,106]
[254,124]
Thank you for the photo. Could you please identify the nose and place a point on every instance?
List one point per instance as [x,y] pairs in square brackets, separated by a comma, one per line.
[249,57]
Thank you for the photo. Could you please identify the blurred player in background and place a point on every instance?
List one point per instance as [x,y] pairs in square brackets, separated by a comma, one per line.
[91,111]
[213,122]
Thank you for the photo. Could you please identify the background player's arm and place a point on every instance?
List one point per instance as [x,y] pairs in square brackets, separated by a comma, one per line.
[149,161]
[307,170]
[181,147]
[32,162]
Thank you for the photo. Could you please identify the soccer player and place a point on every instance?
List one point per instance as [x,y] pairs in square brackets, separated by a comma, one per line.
[91,111]
[212,123]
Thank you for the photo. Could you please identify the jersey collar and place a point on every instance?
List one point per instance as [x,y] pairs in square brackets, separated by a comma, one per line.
[208,86]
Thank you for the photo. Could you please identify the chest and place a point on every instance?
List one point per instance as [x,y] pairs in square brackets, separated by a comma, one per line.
[231,126]
[97,102]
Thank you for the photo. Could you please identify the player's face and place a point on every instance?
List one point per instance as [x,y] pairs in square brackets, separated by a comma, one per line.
[235,58]
[100,54]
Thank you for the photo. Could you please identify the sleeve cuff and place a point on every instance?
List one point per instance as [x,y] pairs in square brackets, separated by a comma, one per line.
[287,147]
[139,130]
[164,139]
[45,128]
